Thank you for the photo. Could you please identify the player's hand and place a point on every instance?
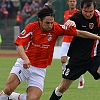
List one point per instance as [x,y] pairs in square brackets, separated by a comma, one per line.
[69,24]
[26,63]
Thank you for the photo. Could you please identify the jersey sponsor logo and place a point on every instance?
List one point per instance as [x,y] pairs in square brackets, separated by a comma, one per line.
[41,46]
[23,32]
[91,25]
[49,37]
[83,26]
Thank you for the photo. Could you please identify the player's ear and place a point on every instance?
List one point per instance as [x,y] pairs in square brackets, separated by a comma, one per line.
[39,19]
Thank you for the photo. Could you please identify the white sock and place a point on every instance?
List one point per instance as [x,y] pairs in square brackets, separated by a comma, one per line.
[23,97]
[57,92]
[17,96]
[3,96]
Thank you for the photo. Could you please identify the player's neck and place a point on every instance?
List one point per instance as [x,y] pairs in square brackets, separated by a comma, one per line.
[72,9]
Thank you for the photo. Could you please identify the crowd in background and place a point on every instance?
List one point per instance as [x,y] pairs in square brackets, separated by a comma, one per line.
[6,7]
[27,8]
[30,7]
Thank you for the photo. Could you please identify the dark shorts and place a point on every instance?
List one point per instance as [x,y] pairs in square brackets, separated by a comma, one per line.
[75,68]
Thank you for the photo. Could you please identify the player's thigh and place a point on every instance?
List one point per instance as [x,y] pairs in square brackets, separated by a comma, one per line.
[35,83]
[33,93]
[64,85]
[12,81]
[74,70]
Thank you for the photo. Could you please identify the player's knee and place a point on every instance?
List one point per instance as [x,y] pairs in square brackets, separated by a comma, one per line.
[33,97]
[97,76]
[7,90]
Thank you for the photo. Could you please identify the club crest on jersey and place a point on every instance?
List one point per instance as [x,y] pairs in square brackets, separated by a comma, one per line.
[49,37]
[91,25]
[23,32]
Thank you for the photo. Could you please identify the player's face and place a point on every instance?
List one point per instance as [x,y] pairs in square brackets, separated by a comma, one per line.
[72,4]
[88,12]
[47,23]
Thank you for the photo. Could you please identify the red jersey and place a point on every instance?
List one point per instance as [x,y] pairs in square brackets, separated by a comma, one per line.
[67,15]
[19,18]
[6,13]
[40,44]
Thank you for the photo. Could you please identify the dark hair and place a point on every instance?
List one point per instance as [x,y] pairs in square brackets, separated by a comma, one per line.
[88,3]
[47,10]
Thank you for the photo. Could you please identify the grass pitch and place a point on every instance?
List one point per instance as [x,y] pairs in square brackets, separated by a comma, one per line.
[91,91]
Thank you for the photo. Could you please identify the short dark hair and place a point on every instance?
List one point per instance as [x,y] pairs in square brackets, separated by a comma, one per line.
[88,3]
[47,10]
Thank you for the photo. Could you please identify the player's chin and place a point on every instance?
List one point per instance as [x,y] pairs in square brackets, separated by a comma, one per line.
[88,17]
[48,29]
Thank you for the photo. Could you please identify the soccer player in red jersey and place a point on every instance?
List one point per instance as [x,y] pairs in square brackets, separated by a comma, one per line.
[35,45]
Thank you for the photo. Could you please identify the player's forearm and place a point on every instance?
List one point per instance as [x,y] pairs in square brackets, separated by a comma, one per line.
[21,52]
[86,34]
[26,63]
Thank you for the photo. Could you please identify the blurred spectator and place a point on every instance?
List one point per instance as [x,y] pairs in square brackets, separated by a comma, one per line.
[10,7]
[30,12]
[34,6]
[6,13]
[2,18]
[3,4]
[30,7]
[40,3]
[29,2]
[25,10]
[25,7]
[0,5]
[16,4]
[18,18]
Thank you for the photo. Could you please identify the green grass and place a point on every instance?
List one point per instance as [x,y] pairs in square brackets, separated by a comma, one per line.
[91,91]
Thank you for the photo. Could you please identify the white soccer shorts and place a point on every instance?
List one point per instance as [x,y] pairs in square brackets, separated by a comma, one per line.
[34,76]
